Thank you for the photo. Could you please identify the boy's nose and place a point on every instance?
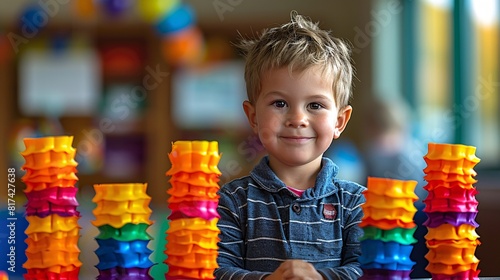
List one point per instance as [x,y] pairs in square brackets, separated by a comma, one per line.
[296,118]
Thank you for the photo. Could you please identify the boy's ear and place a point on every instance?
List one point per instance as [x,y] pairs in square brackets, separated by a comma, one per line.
[250,113]
[342,120]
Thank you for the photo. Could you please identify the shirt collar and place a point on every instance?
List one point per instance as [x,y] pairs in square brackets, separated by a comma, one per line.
[267,179]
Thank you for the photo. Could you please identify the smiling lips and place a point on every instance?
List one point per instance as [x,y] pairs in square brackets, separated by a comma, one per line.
[296,139]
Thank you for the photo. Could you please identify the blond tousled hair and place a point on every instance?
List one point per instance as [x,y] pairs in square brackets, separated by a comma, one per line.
[298,45]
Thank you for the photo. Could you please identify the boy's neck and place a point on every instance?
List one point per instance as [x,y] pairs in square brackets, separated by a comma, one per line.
[300,177]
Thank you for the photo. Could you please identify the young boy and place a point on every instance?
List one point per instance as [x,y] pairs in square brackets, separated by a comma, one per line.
[291,218]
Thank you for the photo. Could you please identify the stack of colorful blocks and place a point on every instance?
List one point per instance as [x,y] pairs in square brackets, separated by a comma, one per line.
[192,235]
[53,231]
[122,217]
[388,228]
[451,209]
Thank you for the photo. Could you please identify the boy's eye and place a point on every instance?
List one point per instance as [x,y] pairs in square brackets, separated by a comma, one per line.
[315,106]
[279,103]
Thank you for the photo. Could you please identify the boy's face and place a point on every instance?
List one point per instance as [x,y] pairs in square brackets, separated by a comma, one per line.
[295,115]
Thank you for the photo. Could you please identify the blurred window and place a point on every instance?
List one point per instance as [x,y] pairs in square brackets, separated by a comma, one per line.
[484,128]
[433,86]
[451,73]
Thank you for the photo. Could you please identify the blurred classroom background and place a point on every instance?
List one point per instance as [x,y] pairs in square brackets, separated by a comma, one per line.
[127,78]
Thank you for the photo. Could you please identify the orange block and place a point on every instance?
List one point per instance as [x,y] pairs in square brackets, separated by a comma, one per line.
[44,144]
[450,232]
[457,243]
[51,223]
[51,178]
[186,198]
[450,269]
[39,186]
[400,214]
[434,184]
[37,236]
[206,242]
[120,192]
[49,159]
[192,224]
[460,166]
[449,177]
[181,189]
[196,178]
[47,259]
[386,202]
[385,223]
[32,173]
[194,156]
[66,244]
[391,187]
[450,255]
[179,271]
[194,260]
[183,249]
[117,208]
[437,151]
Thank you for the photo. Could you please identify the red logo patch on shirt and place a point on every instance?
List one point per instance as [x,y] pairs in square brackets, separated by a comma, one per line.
[329,211]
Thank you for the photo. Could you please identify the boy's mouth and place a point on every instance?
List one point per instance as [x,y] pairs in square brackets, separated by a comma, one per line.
[296,139]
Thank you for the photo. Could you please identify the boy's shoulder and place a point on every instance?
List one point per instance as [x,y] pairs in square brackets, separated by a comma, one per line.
[234,184]
[350,186]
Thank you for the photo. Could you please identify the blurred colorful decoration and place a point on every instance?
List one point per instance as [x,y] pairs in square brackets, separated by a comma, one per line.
[388,227]
[182,41]
[152,10]
[184,47]
[122,59]
[192,235]
[51,208]
[85,9]
[179,18]
[451,209]
[33,19]
[116,7]
[122,217]
[174,21]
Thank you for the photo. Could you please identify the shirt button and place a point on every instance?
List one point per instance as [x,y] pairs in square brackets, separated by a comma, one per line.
[296,208]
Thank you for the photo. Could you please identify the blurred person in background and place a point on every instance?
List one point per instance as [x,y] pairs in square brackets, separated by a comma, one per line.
[389,152]
[388,141]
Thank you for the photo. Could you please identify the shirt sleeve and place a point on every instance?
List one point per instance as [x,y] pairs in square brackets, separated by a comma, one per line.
[231,250]
[350,268]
